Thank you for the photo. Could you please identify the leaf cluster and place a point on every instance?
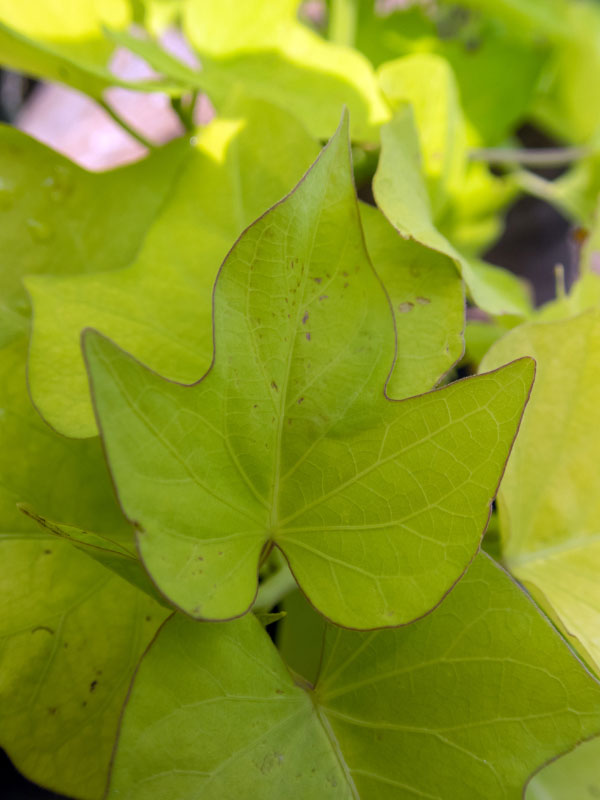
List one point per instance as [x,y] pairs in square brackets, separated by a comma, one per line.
[261,398]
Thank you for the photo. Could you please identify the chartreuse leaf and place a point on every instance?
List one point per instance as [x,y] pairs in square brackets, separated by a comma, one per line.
[549,504]
[574,775]
[120,557]
[289,439]
[464,197]
[70,631]
[159,306]
[58,218]
[427,297]
[150,309]
[401,194]
[477,47]
[426,82]
[526,17]
[64,42]
[483,688]
[569,96]
[264,49]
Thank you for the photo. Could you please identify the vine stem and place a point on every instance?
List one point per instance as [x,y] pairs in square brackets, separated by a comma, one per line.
[125,125]
[342,22]
[272,590]
[540,157]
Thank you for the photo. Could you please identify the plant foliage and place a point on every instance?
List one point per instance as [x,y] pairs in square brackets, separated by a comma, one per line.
[260,390]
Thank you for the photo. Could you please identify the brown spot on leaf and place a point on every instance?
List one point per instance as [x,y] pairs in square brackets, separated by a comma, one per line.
[403,308]
[274,386]
[93,685]
[423,301]
[305,318]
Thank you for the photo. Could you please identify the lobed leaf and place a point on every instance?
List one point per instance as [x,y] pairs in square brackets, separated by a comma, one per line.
[159,307]
[214,713]
[290,440]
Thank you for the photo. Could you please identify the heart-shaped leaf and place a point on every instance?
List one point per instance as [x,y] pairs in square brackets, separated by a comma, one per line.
[483,688]
[290,440]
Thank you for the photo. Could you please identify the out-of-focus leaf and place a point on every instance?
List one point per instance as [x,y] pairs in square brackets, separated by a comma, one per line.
[569,101]
[549,502]
[64,42]
[427,83]
[266,52]
[402,196]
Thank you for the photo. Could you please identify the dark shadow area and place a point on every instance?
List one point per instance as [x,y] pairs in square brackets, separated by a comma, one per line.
[13,786]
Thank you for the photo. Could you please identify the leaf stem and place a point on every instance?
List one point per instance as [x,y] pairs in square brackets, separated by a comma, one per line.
[185,112]
[125,125]
[539,157]
[272,590]
[342,22]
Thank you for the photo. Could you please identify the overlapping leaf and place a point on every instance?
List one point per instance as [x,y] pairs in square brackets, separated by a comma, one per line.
[549,501]
[483,688]
[59,218]
[159,307]
[427,298]
[289,439]
[573,775]
[401,194]
[70,632]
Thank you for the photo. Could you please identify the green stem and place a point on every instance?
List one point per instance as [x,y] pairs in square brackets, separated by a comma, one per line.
[125,126]
[185,112]
[274,589]
[342,21]
[540,157]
